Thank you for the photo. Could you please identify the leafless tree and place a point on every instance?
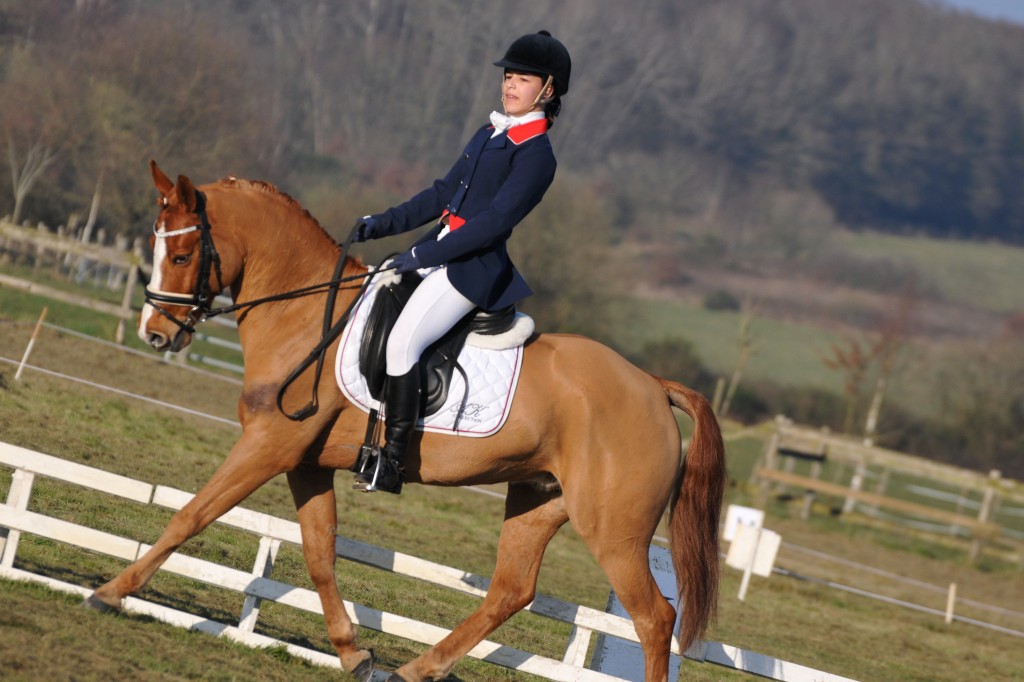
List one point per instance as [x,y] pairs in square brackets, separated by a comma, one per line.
[25,173]
[747,346]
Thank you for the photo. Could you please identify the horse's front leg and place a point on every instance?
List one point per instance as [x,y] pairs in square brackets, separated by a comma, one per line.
[313,491]
[253,461]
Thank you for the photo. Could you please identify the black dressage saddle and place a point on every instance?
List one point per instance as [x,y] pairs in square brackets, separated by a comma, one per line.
[440,360]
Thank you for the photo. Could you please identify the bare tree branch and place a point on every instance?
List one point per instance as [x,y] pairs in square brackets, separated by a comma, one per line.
[24,175]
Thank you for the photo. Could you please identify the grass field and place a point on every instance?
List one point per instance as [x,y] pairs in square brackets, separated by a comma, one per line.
[788,354]
[988,276]
[968,292]
[46,636]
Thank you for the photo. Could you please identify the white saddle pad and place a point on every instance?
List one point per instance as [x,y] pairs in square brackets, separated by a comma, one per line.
[492,375]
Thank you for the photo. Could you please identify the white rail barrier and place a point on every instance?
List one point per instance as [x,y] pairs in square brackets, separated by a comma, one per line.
[256,586]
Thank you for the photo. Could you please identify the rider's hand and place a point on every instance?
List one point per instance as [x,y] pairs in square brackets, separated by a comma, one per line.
[364,229]
[406,262]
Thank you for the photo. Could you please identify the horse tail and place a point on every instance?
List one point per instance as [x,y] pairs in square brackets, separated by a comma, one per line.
[694,514]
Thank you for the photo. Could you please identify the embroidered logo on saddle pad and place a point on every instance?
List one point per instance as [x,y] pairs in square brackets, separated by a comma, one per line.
[479,397]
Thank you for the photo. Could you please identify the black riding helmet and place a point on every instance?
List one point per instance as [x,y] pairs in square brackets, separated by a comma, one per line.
[540,54]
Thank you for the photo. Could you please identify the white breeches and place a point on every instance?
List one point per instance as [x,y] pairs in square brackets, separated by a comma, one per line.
[433,309]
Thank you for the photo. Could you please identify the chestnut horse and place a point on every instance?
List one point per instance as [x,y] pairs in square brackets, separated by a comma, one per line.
[584,417]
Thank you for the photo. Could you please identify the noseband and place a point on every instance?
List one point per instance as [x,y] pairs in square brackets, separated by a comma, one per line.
[202,296]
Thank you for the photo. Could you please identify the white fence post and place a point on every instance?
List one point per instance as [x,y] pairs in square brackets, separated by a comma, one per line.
[988,502]
[17,497]
[579,642]
[856,484]
[265,558]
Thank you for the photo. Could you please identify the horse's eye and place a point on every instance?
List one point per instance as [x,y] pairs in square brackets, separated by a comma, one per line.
[181,259]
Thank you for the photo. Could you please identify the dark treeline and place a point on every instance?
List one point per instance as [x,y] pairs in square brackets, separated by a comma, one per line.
[895,114]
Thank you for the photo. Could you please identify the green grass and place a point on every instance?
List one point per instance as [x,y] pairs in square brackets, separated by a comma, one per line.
[22,310]
[801,622]
[46,636]
[50,277]
[988,276]
[23,307]
[979,276]
[788,354]
[470,521]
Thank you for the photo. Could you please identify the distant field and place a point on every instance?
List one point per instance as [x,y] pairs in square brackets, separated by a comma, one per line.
[984,275]
[789,354]
[987,277]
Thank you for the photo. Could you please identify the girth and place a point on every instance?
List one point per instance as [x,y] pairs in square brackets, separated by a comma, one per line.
[440,360]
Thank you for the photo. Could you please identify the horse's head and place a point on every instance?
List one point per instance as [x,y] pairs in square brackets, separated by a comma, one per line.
[186,265]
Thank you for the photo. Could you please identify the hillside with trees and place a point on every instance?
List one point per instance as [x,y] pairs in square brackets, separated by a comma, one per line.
[706,147]
[894,114]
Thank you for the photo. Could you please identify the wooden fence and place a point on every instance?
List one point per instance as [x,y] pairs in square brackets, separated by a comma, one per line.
[59,251]
[125,267]
[258,587]
[791,444]
[43,250]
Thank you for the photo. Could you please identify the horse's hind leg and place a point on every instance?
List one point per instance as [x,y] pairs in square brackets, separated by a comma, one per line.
[618,534]
[618,527]
[532,518]
[653,617]
[313,491]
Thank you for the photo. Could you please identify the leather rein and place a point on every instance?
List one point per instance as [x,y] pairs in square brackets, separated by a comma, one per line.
[202,296]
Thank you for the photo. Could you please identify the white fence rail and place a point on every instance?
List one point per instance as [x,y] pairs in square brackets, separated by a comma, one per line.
[257,587]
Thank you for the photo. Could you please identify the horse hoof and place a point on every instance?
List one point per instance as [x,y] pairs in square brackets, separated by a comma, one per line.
[95,603]
[364,671]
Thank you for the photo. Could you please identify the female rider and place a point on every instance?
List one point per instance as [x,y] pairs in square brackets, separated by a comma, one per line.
[500,176]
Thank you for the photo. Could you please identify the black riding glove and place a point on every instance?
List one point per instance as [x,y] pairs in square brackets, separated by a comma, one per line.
[406,262]
[364,229]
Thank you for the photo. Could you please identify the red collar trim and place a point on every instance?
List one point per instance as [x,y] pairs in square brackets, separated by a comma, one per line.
[528,131]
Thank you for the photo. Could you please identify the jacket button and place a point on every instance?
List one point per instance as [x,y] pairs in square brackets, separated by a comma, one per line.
[467,156]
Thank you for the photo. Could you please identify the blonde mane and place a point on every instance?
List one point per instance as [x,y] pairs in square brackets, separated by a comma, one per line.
[271,190]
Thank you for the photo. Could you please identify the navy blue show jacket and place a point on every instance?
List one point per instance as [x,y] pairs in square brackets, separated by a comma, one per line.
[494,184]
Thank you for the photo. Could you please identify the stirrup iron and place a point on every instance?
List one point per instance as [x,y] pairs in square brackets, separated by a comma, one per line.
[368,462]
[368,467]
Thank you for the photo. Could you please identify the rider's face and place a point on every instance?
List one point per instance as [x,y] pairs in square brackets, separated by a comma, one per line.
[520,91]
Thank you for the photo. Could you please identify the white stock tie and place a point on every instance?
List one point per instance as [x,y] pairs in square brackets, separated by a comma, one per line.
[501,122]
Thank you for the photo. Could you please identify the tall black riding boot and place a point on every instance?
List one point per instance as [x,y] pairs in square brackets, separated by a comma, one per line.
[402,409]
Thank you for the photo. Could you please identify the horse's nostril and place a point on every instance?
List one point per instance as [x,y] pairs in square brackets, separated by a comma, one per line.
[157,341]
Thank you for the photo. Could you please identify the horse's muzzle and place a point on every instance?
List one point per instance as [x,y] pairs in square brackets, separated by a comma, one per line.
[160,342]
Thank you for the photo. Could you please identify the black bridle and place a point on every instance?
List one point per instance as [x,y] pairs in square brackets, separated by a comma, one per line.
[202,297]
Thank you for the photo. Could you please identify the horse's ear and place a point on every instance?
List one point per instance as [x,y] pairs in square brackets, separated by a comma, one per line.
[186,193]
[162,183]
